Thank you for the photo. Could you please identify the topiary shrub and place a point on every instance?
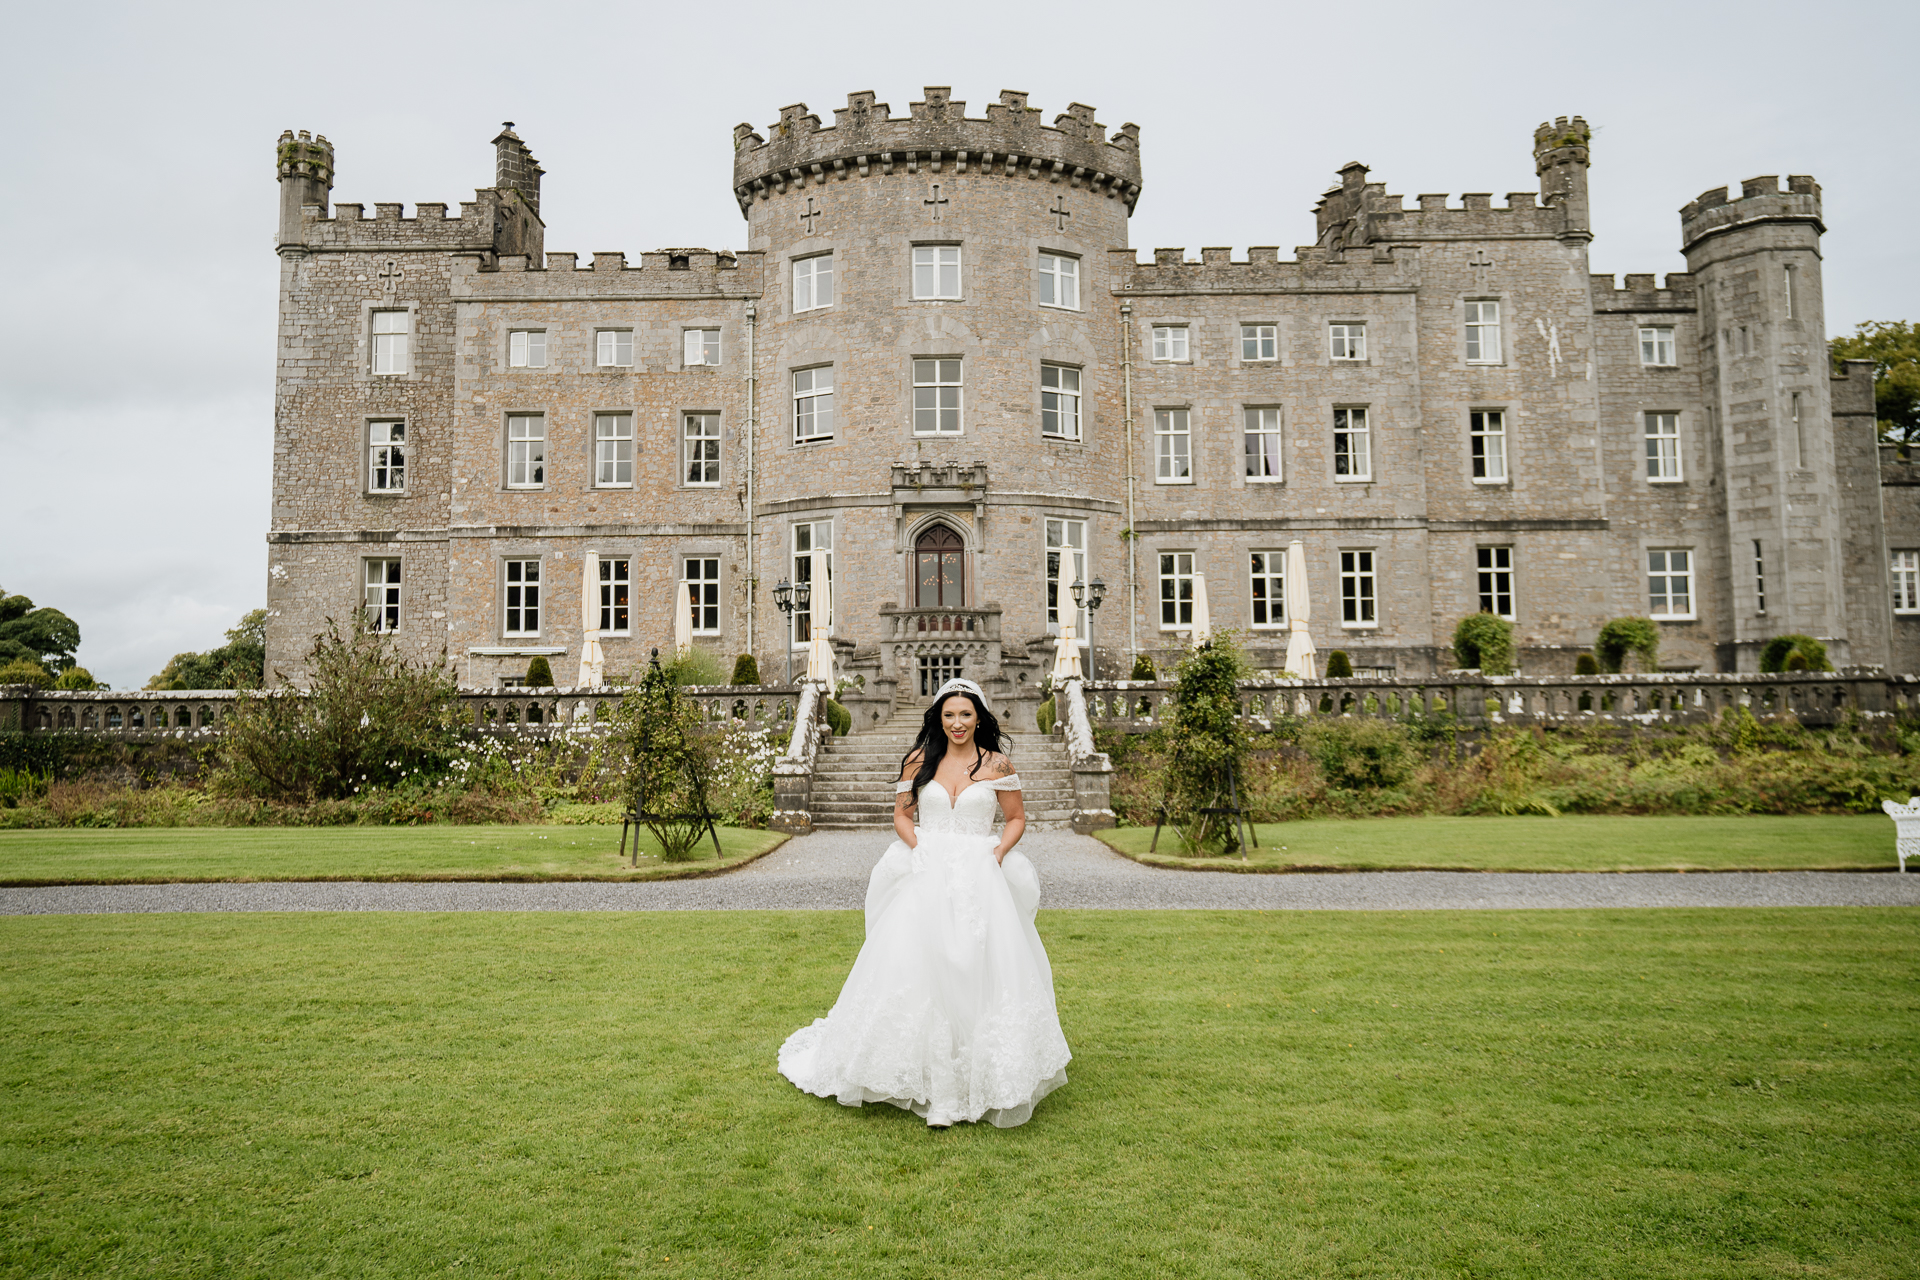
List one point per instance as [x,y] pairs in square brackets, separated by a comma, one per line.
[1586,665]
[746,670]
[25,671]
[1484,641]
[839,719]
[1045,716]
[1143,668]
[539,674]
[1339,666]
[1780,651]
[1628,635]
[1361,755]
[1796,661]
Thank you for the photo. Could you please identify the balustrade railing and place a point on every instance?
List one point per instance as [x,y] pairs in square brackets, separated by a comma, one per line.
[196,715]
[1814,698]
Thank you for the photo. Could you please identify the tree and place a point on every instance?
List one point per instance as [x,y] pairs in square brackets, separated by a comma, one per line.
[44,636]
[1628,635]
[78,680]
[240,663]
[1894,348]
[1484,641]
[25,671]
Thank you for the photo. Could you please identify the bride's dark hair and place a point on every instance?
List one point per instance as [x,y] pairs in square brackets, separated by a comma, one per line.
[932,741]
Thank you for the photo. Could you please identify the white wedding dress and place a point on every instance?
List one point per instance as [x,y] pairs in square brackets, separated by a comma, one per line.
[949,1010]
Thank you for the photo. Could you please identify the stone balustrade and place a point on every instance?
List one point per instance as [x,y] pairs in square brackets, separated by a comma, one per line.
[1474,701]
[196,715]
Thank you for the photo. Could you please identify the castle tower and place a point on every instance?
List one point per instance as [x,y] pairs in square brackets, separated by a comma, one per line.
[1756,262]
[940,388]
[1560,157]
[305,168]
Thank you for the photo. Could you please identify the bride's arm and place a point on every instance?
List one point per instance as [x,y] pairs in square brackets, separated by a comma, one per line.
[1013,806]
[903,805]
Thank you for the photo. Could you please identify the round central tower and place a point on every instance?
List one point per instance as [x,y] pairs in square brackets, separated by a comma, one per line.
[939,427]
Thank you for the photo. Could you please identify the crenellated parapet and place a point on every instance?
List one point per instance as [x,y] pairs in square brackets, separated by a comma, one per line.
[667,273]
[1314,270]
[865,139]
[1640,296]
[1760,201]
[348,228]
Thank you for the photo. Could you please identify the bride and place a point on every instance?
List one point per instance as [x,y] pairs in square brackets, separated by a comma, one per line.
[949,1009]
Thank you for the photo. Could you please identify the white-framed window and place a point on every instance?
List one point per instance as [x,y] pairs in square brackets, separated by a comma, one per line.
[1176,590]
[1663,446]
[936,271]
[1259,342]
[1487,442]
[936,397]
[1760,578]
[1169,342]
[1358,594]
[1172,447]
[1495,567]
[1059,281]
[1066,565]
[702,575]
[812,540]
[813,404]
[382,594]
[1347,341]
[1262,439]
[813,282]
[616,595]
[527,348]
[526,451]
[1059,401]
[613,348]
[1656,345]
[1483,332]
[522,596]
[1906,581]
[700,448]
[1352,445]
[613,450]
[1267,579]
[699,347]
[1670,583]
[389,342]
[386,457]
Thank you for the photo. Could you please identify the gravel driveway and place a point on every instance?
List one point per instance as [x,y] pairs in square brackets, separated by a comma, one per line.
[828,871]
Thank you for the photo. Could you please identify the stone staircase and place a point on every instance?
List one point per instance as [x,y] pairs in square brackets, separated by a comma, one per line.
[854,777]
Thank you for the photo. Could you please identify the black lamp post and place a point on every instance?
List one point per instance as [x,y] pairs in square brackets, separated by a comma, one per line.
[1088,595]
[783,598]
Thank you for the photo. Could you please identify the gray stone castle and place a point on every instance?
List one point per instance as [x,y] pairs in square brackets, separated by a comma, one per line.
[940,380]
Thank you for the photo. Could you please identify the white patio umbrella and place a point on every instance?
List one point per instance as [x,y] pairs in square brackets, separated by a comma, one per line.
[1202,616]
[683,620]
[820,650]
[592,662]
[1066,657]
[1300,650]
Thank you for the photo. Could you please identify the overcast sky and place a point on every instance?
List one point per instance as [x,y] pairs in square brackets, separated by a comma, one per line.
[136,399]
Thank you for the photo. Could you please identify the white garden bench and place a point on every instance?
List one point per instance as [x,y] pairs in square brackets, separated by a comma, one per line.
[1906,824]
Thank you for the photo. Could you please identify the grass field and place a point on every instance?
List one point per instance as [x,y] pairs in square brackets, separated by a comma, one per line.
[159,854]
[1570,843]
[1654,1094]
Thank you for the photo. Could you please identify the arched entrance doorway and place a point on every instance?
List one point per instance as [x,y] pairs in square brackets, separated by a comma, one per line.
[939,569]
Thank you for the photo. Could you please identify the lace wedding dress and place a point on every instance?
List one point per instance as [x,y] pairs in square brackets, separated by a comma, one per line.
[949,1009]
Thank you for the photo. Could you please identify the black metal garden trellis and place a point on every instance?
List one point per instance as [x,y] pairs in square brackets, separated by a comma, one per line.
[637,814]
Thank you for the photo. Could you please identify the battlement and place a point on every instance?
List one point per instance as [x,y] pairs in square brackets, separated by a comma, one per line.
[1640,295]
[1760,200]
[1314,269]
[1357,213]
[662,273]
[304,155]
[431,228]
[865,138]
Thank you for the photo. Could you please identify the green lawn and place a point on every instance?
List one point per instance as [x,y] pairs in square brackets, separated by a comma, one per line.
[1651,1094]
[158,854]
[1817,843]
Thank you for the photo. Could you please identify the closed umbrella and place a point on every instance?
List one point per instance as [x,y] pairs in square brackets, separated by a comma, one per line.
[820,651]
[1300,650]
[592,661]
[1066,657]
[1202,616]
[683,620]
